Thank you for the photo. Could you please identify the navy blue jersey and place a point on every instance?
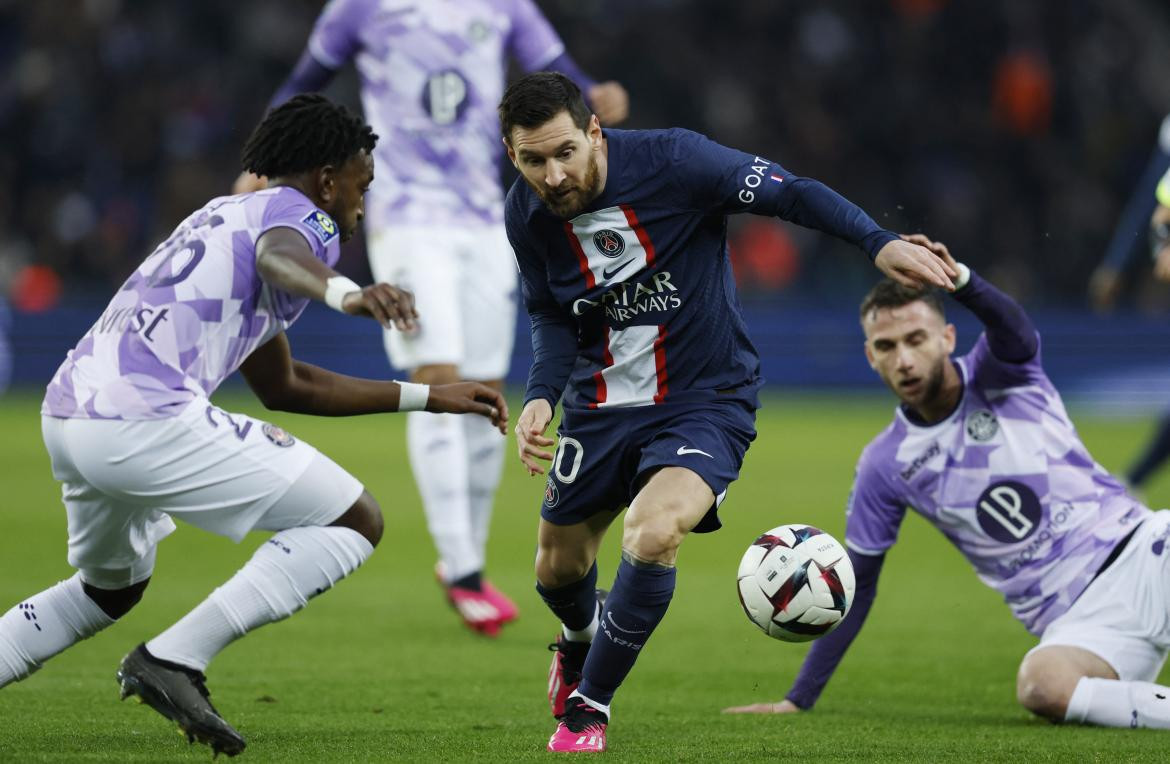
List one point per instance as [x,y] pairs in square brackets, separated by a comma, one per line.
[633,302]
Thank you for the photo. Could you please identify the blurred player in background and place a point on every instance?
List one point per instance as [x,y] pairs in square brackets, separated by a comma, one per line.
[431,76]
[135,440]
[621,241]
[982,447]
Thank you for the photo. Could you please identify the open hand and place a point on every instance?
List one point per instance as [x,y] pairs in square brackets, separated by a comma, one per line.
[530,438]
[785,706]
[388,305]
[470,398]
[913,265]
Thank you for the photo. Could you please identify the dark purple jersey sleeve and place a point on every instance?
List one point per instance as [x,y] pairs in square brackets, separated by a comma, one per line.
[827,652]
[1011,335]
[873,517]
[726,180]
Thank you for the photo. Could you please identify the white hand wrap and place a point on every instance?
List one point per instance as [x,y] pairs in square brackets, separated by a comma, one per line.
[412,397]
[336,288]
[963,277]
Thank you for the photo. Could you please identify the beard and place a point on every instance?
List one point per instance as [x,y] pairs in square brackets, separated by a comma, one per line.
[569,205]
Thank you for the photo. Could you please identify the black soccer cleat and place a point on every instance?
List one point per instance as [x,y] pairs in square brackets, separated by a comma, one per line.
[180,694]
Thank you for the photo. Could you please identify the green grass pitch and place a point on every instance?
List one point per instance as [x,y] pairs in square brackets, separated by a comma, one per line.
[379,669]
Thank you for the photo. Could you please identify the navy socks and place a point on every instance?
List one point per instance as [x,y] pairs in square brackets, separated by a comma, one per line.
[575,604]
[641,593]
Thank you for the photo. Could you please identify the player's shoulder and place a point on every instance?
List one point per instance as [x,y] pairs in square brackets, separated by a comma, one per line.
[286,206]
[881,452]
[662,143]
[520,204]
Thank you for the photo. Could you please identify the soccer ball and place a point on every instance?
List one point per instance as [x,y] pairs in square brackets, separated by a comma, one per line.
[796,583]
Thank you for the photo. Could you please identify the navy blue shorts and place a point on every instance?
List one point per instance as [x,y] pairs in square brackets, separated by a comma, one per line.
[604,457]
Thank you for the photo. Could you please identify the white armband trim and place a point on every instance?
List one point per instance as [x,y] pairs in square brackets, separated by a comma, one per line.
[964,276]
[413,397]
[336,288]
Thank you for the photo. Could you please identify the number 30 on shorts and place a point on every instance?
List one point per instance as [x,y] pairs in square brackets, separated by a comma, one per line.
[572,446]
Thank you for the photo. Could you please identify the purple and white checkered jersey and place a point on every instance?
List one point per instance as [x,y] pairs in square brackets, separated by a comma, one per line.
[190,314]
[1006,478]
[432,73]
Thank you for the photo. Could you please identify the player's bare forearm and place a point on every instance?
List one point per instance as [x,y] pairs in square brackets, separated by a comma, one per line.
[284,261]
[284,384]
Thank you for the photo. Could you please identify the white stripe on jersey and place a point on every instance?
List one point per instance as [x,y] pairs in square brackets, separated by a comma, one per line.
[612,247]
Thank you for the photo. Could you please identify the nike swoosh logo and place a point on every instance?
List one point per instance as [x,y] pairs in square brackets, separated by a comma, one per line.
[609,274]
[683,451]
[609,616]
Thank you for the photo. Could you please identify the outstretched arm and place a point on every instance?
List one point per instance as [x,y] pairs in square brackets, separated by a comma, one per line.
[827,652]
[284,260]
[1011,335]
[285,384]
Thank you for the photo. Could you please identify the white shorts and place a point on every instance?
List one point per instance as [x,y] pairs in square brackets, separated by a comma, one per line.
[464,285]
[225,473]
[1124,615]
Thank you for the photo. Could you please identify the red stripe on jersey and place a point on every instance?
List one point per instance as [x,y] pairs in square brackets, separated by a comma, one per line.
[582,261]
[640,232]
[599,376]
[660,364]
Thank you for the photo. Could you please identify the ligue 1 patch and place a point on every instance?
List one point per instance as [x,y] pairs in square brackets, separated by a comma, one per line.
[322,225]
[278,436]
[552,496]
[609,242]
[982,425]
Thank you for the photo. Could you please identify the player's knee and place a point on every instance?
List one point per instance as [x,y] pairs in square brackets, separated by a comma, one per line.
[654,537]
[365,517]
[557,567]
[1037,691]
[116,602]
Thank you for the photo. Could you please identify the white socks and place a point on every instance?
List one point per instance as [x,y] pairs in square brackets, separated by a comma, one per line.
[584,635]
[485,457]
[285,572]
[1113,703]
[44,625]
[438,456]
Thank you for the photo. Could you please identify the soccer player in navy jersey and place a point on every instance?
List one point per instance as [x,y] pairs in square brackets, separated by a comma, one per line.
[620,238]
[982,447]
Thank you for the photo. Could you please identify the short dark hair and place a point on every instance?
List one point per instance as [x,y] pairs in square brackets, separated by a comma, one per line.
[536,98]
[303,133]
[888,293]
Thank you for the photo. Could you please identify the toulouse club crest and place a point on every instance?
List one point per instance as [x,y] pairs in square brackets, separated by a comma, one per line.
[609,242]
[277,435]
[982,425]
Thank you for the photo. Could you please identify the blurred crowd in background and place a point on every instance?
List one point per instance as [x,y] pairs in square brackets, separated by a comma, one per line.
[1013,130]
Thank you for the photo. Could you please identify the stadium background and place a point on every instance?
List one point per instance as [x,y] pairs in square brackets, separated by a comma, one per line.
[1014,130]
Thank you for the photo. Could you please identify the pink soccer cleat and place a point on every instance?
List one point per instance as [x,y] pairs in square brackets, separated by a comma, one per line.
[484,612]
[565,672]
[507,609]
[581,729]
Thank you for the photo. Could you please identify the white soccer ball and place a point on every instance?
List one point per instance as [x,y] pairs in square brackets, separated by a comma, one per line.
[796,583]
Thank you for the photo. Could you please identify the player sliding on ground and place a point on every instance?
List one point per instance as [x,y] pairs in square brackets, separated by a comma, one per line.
[135,441]
[620,237]
[982,447]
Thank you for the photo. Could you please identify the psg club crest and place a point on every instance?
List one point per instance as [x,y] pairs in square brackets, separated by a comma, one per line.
[278,436]
[551,495]
[609,242]
[982,425]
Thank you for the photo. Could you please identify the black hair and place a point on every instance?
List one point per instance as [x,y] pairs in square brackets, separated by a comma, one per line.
[536,98]
[303,133]
[890,294]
